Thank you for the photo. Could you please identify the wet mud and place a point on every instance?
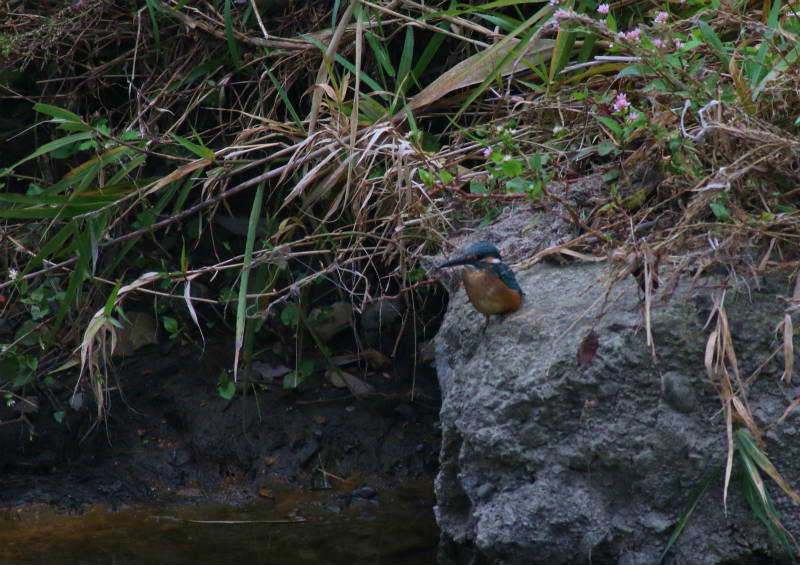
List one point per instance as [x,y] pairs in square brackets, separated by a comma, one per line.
[170,433]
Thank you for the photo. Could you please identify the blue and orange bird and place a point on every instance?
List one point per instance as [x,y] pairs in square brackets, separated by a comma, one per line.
[490,284]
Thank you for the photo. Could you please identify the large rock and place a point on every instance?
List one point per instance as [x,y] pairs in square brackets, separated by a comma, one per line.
[546,462]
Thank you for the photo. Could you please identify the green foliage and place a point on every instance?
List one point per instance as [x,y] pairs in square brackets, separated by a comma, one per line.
[751,457]
[290,315]
[226,387]
[295,378]
[511,170]
[172,326]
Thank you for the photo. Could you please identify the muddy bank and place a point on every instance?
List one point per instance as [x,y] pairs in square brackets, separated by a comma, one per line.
[170,432]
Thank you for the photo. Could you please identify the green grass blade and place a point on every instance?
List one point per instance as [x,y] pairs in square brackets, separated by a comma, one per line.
[151,9]
[59,115]
[241,307]
[52,146]
[404,68]
[286,101]
[199,150]
[714,41]
[233,49]
[694,497]
[54,243]
[79,272]
[761,504]
[381,54]
[428,54]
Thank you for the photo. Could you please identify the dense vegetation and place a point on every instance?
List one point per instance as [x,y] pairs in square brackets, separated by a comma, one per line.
[257,159]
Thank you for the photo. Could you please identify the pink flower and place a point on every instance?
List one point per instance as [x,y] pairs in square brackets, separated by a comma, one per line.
[659,43]
[620,102]
[561,14]
[632,35]
[633,116]
[487,152]
[603,9]
[661,17]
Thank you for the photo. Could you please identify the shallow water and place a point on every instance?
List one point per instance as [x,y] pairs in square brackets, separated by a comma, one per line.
[297,528]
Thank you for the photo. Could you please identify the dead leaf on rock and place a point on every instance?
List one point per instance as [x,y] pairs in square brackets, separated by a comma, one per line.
[588,348]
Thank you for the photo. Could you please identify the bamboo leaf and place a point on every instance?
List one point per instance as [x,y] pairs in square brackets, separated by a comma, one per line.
[229,36]
[52,146]
[241,307]
[199,150]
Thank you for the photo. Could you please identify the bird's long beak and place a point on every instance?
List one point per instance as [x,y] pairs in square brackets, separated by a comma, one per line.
[456,262]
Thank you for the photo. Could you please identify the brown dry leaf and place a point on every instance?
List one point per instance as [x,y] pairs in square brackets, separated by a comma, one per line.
[376,359]
[340,379]
[475,69]
[588,348]
[788,348]
[748,420]
[794,404]
[708,360]
[729,460]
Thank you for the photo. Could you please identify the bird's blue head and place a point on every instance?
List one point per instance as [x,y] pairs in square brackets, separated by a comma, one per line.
[480,252]
[484,255]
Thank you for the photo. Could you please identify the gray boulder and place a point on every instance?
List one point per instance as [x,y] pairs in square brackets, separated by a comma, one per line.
[543,461]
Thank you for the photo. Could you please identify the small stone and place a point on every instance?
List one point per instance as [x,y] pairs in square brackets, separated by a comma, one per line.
[364,491]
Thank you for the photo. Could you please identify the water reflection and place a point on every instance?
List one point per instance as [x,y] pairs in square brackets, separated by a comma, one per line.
[298,528]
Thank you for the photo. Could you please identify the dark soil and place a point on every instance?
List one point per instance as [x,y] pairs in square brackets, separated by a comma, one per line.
[170,432]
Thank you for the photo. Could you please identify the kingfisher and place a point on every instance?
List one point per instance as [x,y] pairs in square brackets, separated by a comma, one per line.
[490,284]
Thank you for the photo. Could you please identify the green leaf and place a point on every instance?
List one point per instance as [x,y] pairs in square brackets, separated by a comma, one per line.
[511,167]
[606,147]
[112,298]
[286,100]
[241,307]
[293,379]
[232,47]
[720,211]
[79,273]
[694,497]
[381,54]
[53,146]
[59,115]
[611,124]
[306,368]
[290,315]
[518,185]
[478,187]
[171,325]
[427,54]
[151,8]
[225,386]
[404,68]
[714,41]
[199,150]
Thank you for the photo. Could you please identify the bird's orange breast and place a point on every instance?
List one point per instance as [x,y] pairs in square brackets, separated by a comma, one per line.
[488,294]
